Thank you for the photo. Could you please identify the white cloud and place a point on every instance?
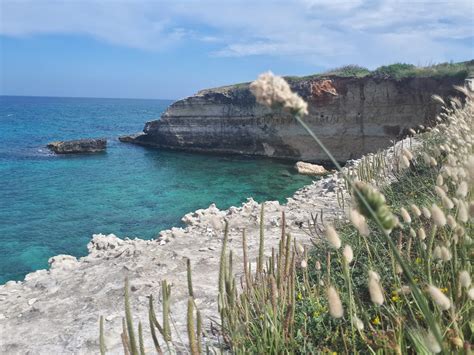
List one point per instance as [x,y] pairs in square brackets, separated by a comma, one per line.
[324,32]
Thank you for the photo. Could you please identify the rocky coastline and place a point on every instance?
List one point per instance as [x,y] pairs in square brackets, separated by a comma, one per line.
[57,310]
[352,116]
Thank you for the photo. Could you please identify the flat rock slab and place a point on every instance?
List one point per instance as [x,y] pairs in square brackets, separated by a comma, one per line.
[78,146]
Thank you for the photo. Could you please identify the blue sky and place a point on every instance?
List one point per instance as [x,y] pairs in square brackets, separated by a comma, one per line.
[171,49]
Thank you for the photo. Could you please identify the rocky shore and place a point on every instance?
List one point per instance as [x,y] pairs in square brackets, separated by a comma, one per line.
[57,311]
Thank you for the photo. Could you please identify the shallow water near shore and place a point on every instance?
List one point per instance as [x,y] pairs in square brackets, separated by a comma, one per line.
[52,205]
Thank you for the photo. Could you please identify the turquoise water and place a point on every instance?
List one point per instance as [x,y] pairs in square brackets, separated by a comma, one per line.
[52,205]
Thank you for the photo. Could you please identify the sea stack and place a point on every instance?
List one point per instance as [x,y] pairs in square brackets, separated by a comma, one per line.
[79,146]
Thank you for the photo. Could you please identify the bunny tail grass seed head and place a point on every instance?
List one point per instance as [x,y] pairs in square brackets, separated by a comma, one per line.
[416,211]
[376,293]
[438,216]
[358,323]
[426,212]
[464,279]
[405,215]
[431,343]
[274,92]
[421,233]
[439,298]
[348,254]
[332,237]
[359,222]
[335,304]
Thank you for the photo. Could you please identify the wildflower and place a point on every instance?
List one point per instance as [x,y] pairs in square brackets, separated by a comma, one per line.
[348,254]
[464,279]
[439,298]
[416,211]
[405,215]
[332,237]
[421,234]
[376,320]
[359,222]
[438,216]
[335,304]
[418,260]
[426,212]
[376,293]
[273,91]
[462,189]
[304,264]
[358,323]
[431,343]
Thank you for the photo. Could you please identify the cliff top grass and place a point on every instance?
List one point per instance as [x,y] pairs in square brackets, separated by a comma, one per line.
[396,71]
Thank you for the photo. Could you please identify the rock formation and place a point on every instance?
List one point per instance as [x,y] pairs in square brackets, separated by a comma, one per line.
[310,169]
[78,146]
[352,116]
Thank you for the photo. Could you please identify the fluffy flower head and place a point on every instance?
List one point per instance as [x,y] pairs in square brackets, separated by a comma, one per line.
[273,91]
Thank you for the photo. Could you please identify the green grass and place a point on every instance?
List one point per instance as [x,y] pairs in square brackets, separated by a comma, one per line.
[414,263]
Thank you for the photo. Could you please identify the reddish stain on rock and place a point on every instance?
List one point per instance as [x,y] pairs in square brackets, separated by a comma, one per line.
[323,88]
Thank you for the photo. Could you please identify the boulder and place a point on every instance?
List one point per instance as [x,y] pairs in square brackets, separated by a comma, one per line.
[78,146]
[310,169]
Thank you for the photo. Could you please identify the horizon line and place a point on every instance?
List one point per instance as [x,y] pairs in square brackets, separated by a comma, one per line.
[87,97]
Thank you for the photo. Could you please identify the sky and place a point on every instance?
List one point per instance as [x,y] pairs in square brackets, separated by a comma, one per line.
[172,48]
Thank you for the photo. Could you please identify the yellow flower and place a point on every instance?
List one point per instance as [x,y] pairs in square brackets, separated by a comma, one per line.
[395,298]
[444,290]
[418,260]
[299,296]
[316,314]
[376,320]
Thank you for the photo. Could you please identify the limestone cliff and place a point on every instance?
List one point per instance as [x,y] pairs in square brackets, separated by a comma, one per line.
[352,116]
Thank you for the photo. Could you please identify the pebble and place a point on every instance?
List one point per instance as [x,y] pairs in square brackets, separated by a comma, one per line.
[31,301]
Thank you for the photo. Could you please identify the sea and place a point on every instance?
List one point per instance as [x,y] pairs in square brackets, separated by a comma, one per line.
[52,204]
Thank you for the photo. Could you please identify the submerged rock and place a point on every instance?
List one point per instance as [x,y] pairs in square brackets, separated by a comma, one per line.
[310,169]
[78,146]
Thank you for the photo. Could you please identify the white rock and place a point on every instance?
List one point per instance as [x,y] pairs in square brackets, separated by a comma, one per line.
[31,301]
[310,169]
[63,262]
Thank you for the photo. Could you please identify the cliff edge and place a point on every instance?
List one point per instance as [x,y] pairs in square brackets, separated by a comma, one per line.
[351,115]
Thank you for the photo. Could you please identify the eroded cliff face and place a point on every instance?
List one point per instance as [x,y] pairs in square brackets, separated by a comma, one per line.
[352,116]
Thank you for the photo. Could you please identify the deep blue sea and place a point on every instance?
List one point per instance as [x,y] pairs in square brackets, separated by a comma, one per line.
[52,205]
